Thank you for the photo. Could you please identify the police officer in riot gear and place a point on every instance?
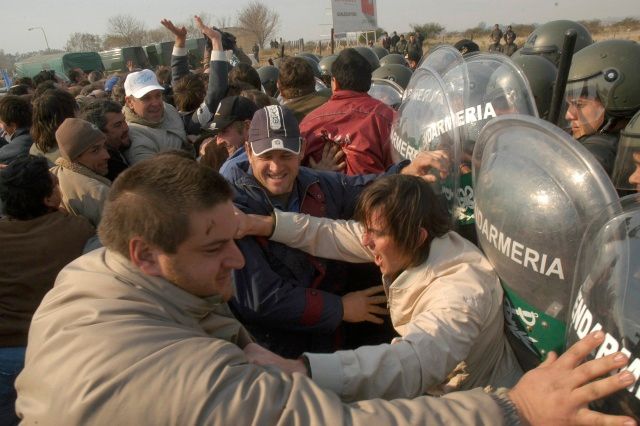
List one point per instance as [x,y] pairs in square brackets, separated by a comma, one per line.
[602,94]
[626,171]
[269,77]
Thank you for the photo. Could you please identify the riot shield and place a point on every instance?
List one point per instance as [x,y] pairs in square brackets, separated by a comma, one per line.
[484,87]
[425,123]
[606,294]
[628,155]
[535,193]
[442,59]
[386,91]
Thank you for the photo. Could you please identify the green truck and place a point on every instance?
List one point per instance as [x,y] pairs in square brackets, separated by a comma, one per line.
[159,53]
[61,63]
[116,59]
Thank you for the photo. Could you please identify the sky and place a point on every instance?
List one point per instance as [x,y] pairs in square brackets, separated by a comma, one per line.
[309,19]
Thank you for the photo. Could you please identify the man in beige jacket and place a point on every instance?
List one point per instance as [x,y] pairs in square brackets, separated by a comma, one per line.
[139,333]
[81,168]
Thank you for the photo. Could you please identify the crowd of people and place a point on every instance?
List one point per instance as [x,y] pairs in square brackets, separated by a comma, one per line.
[240,245]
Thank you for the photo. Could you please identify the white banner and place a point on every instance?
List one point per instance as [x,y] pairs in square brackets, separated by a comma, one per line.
[354,15]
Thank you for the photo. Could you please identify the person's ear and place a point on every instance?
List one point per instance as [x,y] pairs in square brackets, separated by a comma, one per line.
[303,147]
[423,234]
[247,149]
[128,101]
[334,84]
[145,256]
[51,203]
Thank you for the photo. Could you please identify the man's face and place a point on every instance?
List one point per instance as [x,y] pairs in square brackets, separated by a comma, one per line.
[95,158]
[386,252]
[8,128]
[150,106]
[203,264]
[233,136]
[585,115]
[275,170]
[634,179]
[117,131]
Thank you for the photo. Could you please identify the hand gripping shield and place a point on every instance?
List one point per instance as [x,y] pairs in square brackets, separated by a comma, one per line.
[606,294]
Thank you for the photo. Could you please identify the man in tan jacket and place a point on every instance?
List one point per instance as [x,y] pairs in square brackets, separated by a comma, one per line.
[139,333]
[81,168]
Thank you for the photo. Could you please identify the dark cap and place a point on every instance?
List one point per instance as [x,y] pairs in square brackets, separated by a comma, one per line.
[230,109]
[274,127]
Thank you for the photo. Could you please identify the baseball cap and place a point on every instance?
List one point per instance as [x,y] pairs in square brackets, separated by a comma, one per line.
[233,108]
[274,127]
[138,84]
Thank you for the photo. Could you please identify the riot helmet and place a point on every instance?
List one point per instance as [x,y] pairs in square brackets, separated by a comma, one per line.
[626,171]
[312,61]
[386,91]
[606,295]
[380,51]
[535,193]
[269,77]
[399,74]
[393,58]
[541,75]
[369,55]
[547,40]
[309,55]
[325,68]
[607,71]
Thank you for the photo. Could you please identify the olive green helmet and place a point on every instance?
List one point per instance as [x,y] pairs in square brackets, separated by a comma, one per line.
[310,55]
[393,58]
[611,66]
[326,63]
[541,75]
[547,40]
[269,77]
[311,61]
[370,56]
[399,74]
[380,51]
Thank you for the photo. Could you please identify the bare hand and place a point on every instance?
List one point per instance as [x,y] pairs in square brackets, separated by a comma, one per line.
[252,224]
[332,155]
[261,356]
[360,306]
[560,389]
[424,163]
[179,33]
[215,36]
[131,66]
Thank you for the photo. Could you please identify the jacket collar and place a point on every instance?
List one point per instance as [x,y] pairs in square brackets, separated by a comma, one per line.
[170,294]
[348,94]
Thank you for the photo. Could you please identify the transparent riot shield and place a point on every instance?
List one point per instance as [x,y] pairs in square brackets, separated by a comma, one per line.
[484,87]
[441,59]
[536,190]
[386,91]
[606,294]
[425,123]
[628,157]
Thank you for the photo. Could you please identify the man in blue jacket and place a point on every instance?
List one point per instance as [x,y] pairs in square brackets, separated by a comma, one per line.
[289,300]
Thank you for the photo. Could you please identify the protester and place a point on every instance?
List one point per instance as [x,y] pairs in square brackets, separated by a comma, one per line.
[297,86]
[15,122]
[107,116]
[37,241]
[359,124]
[154,126]
[81,168]
[151,340]
[444,298]
[49,111]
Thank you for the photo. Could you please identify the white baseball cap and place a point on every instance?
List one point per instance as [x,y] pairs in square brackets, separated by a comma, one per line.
[140,83]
